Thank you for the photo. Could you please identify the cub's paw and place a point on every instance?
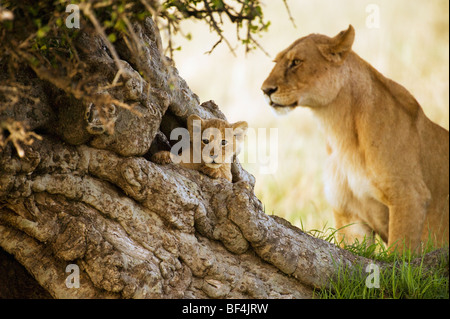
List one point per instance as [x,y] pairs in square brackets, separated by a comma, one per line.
[215,173]
[162,157]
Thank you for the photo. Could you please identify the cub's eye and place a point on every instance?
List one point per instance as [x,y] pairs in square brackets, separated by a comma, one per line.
[296,62]
[224,142]
[205,141]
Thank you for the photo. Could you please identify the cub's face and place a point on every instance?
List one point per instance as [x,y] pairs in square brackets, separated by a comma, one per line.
[309,72]
[219,141]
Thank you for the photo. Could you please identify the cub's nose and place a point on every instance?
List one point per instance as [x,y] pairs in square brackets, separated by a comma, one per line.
[213,156]
[269,90]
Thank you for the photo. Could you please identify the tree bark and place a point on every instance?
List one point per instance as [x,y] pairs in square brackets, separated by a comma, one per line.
[133,228]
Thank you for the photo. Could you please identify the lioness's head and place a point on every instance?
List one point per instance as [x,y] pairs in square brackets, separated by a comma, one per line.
[219,140]
[308,73]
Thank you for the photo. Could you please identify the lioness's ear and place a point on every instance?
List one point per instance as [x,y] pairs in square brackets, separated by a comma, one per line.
[240,129]
[339,46]
[190,123]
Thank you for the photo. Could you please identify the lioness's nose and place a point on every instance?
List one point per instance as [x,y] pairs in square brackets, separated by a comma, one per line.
[269,90]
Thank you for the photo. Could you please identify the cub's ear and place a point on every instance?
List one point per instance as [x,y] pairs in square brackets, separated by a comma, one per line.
[240,129]
[338,47]
[191,122]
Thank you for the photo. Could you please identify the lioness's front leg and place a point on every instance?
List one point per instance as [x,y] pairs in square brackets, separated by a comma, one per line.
[407,213]
[351,229]
[406,225]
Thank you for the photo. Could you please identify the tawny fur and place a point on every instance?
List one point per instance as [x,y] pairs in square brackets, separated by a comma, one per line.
[221,166]
[388,166]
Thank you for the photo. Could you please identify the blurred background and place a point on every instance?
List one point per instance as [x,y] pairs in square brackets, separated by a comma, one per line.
[407,41]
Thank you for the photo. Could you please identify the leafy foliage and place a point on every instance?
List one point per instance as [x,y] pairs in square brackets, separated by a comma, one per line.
[114,17]
[36,33]
[246,14]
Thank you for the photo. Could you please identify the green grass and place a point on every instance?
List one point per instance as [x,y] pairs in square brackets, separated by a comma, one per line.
[401,282]
[404,281]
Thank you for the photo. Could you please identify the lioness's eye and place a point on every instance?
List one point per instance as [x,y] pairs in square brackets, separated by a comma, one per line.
[205,141]
[224,142]
[296,62]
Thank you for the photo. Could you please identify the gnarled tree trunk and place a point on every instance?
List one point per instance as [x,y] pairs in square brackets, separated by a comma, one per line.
[135,229]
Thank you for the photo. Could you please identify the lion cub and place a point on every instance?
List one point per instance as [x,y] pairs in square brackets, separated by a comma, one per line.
[212,146]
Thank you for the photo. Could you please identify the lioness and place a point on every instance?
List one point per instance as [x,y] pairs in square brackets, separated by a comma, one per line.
[218,142]
[388,167]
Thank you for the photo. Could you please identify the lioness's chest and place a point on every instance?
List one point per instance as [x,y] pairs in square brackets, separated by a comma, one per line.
[347,178]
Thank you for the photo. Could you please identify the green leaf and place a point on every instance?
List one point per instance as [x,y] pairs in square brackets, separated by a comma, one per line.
[217,4]
[120,26]
[112,37]
[42,32]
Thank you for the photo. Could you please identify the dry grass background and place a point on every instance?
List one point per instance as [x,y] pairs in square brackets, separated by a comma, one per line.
[411,46]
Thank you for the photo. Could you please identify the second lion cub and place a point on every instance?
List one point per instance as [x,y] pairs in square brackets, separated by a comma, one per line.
[212,145]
